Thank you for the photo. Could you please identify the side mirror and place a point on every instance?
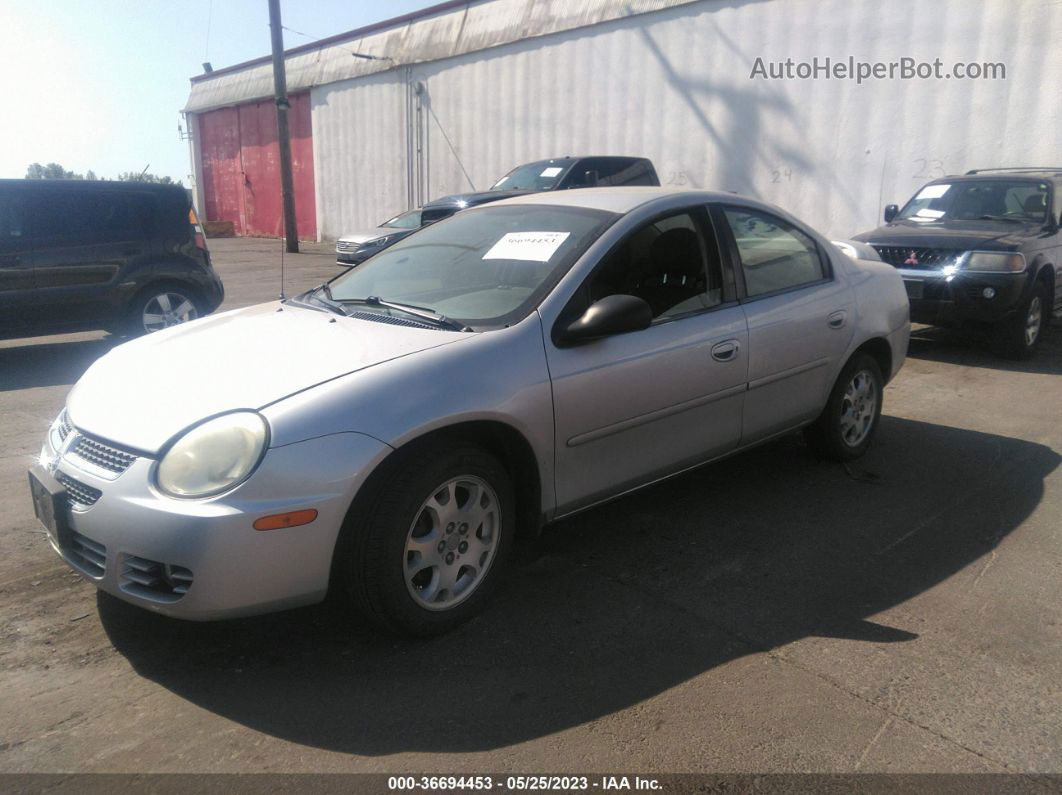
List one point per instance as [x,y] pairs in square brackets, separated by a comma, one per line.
[891,211]
[591,179]
[613,314]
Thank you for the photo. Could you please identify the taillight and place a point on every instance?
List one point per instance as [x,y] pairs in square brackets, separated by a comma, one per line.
[200,238]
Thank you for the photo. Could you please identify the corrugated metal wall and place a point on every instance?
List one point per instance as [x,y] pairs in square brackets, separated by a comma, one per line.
[674,85]
[241,167]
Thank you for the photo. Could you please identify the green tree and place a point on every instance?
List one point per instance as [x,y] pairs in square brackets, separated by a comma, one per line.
[50,171]
[155,179]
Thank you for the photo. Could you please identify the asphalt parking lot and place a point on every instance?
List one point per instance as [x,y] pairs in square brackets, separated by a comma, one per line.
[771,613]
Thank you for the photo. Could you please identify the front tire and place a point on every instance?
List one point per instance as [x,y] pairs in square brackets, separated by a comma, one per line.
[846,427]
[435,541]
[1018,336]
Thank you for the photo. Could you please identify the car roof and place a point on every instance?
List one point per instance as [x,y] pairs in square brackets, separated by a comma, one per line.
[1005,173]
[616,200]
[88,184]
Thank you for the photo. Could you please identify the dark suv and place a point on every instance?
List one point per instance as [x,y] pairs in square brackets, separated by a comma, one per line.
[559,173]
[128,257]
[981,250]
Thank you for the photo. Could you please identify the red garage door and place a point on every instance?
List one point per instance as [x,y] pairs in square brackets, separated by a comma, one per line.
[241,167]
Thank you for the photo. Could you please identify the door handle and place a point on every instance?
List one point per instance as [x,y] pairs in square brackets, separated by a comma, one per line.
[836,320]
[725,351]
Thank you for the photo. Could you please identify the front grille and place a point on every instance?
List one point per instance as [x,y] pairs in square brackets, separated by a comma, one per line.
[103,455]
[394,321]
[87,554]
[78,493]
[342,246]
[927,258]
[153,580]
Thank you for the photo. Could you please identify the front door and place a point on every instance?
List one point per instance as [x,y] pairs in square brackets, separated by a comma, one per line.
[634,407]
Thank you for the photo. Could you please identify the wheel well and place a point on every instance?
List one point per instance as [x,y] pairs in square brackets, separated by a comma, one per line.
[881,351]
[159,283]
[1047,276]
[502,441]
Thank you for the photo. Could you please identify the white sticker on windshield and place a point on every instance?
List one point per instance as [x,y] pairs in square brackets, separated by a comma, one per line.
[927,213]
[530,246]
[552,171]
[933,191]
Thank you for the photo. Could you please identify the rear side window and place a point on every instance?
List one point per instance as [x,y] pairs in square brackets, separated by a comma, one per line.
[10,217]
[774,255]
[94,217]
[610,172]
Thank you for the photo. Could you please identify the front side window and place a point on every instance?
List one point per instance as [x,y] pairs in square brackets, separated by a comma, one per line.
[1020,201]
[485,267]
[669,263]
[774,254]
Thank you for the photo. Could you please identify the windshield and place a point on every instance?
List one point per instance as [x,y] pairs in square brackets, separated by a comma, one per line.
[543,175]
[483,267]
[407,220]
[1022,201]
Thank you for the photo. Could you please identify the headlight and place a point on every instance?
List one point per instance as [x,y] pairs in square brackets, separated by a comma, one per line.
[214,456]
[992,262]
[377,242]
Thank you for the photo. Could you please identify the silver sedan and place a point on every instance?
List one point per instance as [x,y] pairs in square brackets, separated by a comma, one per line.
[391,434]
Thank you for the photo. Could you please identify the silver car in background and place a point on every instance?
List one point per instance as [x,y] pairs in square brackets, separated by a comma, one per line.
[392,433]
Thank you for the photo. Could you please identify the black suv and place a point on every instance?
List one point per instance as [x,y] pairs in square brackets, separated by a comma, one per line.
[559,173]
[128,257]
[981,250]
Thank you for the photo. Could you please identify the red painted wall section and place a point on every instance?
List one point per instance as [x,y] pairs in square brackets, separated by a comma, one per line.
[241,168]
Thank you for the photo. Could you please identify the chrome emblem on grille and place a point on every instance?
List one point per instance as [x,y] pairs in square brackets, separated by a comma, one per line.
[912,259]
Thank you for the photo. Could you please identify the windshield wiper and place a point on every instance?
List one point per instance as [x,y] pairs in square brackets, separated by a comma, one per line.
[1010,218]
[423,312]
[328,302]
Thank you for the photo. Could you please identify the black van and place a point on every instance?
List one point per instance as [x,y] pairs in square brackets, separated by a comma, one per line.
[76,255]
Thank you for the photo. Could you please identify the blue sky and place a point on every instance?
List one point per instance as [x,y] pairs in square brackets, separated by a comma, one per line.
[97,84]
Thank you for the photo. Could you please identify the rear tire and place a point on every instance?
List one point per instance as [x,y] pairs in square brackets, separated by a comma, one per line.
[433,542]
[846,426]
[1018,336]
[160,306]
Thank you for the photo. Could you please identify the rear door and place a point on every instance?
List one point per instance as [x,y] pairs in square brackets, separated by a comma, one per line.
[633,407]
[800,318]
[17,295]
[82,242]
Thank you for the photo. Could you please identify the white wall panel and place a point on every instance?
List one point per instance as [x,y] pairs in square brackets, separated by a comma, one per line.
[674,85]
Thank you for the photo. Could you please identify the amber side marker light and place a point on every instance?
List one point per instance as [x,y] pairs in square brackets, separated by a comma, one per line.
[281,520]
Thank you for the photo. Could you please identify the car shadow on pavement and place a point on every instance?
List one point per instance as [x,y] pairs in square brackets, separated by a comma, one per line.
[624,602]
[50,363]
[951,346]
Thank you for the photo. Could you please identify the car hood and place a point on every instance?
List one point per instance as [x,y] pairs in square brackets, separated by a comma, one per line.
[478,197]
[950,234]
[142,393]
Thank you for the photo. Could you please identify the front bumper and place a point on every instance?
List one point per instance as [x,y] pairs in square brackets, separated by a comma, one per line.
[939,299]
[224,567]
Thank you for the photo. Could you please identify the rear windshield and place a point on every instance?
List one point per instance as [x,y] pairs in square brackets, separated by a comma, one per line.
[486,266]
[544,175]
[1019,201]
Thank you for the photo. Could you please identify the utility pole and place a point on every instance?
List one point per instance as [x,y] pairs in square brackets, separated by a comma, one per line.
[280,90]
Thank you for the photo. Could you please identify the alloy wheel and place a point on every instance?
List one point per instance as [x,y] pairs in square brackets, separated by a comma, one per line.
[1033,321]
[451,543]
[167,309]
[858,408]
